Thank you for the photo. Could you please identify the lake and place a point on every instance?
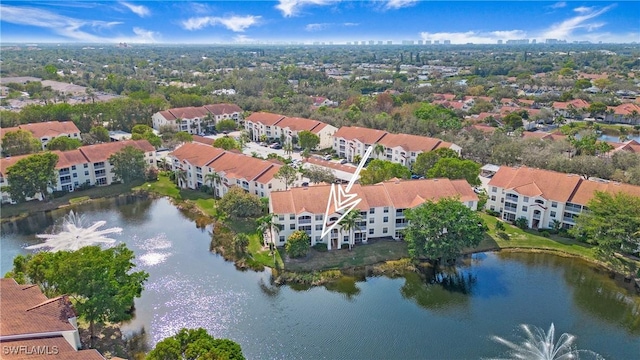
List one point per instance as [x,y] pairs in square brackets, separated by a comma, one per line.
[449,315]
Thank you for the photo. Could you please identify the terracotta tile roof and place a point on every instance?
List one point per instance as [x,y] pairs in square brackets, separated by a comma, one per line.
[241,166]
[576,103]
[630,145]
[321,162]
[68,158]
[626,109]
[26,310]
[267,119]
[203,140]
[364,135]
[101,152]
[527,102]
[410,142]
[7,162]
[319,128]
[484,128]
[586,190]
[221,109]
[167,115]
[544,135]
[48,129]
[190,112]
[51,348]
[447,97]
[299,124]
[400,194]
[196,153]
[535,182]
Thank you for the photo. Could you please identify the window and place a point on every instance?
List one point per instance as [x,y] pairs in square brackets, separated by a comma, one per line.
[494,189]
[526,199]
[370,220]
[75,175]
[318,227]
[553,214]
[281,238]
[370,231]
[73,167]
[86,166]
[386,209]
[385,219]
[281,217]
[524,208]
[554,204]
[86,173]
[372,211]
[292,226]
[319,217]
[493,198]
[385,230]
[318,239]
[269,186]
[292,216]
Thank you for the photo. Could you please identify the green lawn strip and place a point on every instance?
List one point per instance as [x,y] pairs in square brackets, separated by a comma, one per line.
[79,199]
[519,238]
[163,186]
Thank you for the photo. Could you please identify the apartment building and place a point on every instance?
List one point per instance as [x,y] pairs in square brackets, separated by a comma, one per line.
[87,165]
[544,197]
[200,161]
[196,120]
[404,149]
[46,131]
[280,127]
[36,327]
[381,209]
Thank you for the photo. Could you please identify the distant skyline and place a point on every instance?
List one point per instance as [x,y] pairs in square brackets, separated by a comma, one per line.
[315,21]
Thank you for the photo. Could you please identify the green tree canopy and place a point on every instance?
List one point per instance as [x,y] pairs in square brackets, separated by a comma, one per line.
[597,108]
[183,136]
[382,170]
[20,142]
[64,143]
[317,174]
[441,230]
[442,117]
[454,168]
[100,133]
[287,174]
[426,160]
[298,244]
[128,164]
[239,203]
[195,344]
[32,175]
[308,140]
[612,223]
[100,282]
[226,125]
[152,138]
[226,143]
[141,129]
[512,121]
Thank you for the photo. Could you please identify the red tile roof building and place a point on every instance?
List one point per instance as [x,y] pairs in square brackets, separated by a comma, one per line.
[35,327]
[196,120]
[381,207]
[284,128]
[46,131]
[543,196]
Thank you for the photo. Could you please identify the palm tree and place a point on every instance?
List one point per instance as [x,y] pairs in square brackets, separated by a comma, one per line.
[243,139]
[214,179]
[378,149]
[266,223]
[349,223]
[288,148]
[180,177]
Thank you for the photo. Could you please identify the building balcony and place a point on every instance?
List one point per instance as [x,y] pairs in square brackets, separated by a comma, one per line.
[536,216]
[569,220]
[573,208]
[304,221]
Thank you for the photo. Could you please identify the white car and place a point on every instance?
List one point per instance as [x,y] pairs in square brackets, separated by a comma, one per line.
[327,157]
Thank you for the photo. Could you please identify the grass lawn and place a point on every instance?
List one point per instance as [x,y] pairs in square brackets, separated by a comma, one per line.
[608,129]
[163,186]
[361,255]
[522,239]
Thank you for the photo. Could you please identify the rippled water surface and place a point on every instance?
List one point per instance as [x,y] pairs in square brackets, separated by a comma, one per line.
[449,315]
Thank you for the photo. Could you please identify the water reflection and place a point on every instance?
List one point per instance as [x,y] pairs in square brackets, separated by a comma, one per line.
[445,289]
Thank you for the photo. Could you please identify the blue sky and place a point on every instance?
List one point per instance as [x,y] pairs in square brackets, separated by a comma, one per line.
[308,21]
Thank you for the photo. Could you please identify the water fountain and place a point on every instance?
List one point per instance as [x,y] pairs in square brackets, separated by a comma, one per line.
[539,345]
[75,235]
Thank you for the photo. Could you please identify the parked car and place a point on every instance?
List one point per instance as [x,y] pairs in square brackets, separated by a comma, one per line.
[343,161]
[275,146]
[327,157]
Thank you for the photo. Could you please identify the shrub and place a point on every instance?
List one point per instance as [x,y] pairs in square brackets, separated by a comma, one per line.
[499,225]
[321,247]
[239,203]
[503,235]
[492,212]
[522,222]
[297,244]
[151,174]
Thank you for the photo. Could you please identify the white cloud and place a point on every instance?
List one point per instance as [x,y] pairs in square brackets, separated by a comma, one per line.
[145,36]
[233,23]
[69,28]
[292,7]
[317,27]
[139,10]
[565,29]
[558,5]
[475,37]
[398,4]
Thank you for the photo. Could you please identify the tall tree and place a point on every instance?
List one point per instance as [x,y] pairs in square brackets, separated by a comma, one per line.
[308,140]
[317,174]
[100,133]
[265,224]
[239,203]
[454,168]
[195,344]
[441,230]
[427,160]
[226,143]
[298,244]
[382,170]
[287,174]
[128,164]
[214,179]
[100,282]
[611,223]
[349,223]
[64,143]
[32,175]
[226,125]
[20,142]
